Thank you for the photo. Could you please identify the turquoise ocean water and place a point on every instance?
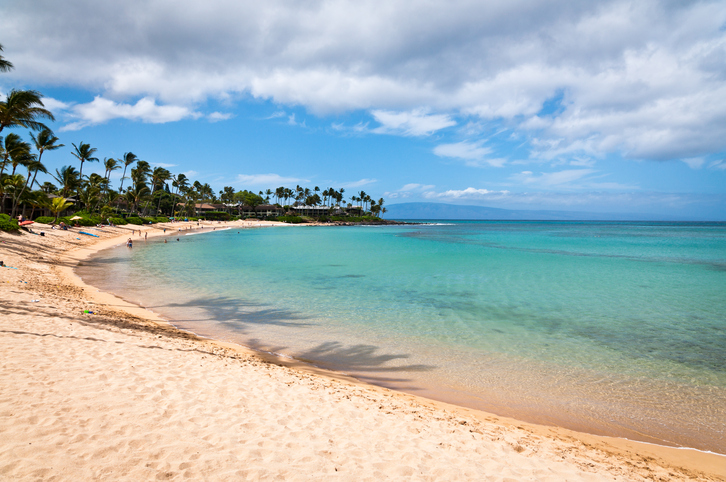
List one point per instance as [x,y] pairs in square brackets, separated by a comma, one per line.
[610,328]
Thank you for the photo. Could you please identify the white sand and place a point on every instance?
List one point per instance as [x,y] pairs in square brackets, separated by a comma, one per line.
[119,396]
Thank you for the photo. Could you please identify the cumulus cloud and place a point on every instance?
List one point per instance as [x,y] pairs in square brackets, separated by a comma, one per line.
[645,79]
[145,110]
[267,180]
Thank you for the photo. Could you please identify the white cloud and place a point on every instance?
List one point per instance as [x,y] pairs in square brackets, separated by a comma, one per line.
[162,164]
[101,110]
[417,122]
[55,105]
[417,187]
[409,190]
[267,180]
[361,182]
[644,78]
[718,165]
[550,179]
[695,162]
[472,153]
[468,194]
[219,116]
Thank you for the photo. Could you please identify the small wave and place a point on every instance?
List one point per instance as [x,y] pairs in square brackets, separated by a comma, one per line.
[209,231]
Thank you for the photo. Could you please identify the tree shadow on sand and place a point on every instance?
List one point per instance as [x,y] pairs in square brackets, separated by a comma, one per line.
[236,316]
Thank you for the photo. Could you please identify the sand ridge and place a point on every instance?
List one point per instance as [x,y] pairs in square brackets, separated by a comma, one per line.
[120,394]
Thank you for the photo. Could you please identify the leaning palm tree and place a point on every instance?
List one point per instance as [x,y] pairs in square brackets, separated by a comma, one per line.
[5,65]
[110,164]
[45,141]
[127,159]
[58,205]
[17,153]
[12,185]
[34,166]
[23,108]
[84,153]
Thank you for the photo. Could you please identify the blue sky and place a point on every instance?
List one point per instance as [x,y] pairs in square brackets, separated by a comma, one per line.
[593,106]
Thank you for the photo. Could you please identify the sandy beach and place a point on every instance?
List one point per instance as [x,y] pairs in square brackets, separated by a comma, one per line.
[120,394]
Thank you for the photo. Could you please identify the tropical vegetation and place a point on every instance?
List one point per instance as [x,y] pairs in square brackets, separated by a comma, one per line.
[145,193]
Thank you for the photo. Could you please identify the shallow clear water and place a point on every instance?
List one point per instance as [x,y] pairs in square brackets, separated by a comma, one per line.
[613,328]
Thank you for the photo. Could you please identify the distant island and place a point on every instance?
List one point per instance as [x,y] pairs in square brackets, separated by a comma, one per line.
[430,211]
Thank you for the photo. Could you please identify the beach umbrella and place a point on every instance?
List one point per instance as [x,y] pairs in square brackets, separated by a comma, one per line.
[76,218]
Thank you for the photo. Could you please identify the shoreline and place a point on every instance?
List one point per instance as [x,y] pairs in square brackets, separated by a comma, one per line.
[620,453]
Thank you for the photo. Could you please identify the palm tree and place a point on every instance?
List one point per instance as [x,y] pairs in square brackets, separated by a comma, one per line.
[48,187]
[5,65]
[17,153]
[68,179]
[14,148]
[91,194]
[109,164]
[136,193]
[158,179]
[84,153]
[128,159]
[12,184]
[58,205]
[45,141]
[23,108]
[33,167]
[37,199]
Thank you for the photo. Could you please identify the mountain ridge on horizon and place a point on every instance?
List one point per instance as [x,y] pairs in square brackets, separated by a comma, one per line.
[466,212]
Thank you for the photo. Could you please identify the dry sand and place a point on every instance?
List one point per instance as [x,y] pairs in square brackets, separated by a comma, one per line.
[122,395]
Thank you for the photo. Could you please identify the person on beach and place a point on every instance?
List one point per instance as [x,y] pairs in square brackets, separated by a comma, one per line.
[145,235]
[129,243]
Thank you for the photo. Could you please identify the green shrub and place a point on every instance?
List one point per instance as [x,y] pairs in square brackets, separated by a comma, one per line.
[118,221]
[217,216]
[134,220]
[290,219]
[44,219]
[8,224]
[161,219]
[148,220]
